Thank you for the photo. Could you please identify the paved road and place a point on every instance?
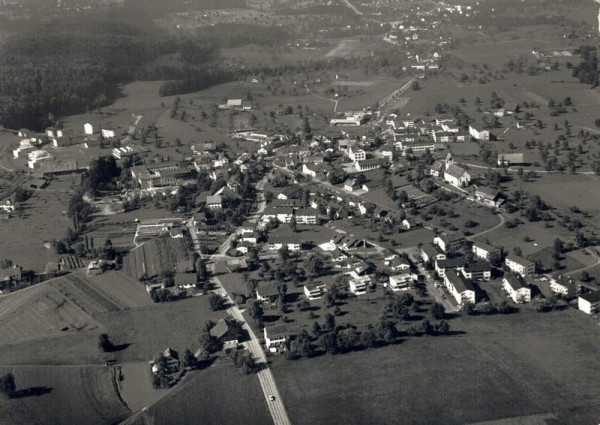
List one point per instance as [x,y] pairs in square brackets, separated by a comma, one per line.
[386,100]
[502,220]
[592,252]
[351,6]
[265,376]
[437,293]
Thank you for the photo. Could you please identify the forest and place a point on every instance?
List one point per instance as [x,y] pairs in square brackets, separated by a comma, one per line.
[67,67]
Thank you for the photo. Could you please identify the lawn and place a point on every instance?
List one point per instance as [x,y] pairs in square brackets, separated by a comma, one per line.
[497,369]
[217,395]
[63,395]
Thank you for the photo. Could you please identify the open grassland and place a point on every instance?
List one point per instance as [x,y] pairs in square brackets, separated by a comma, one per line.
[40,312]
[136,386]
[118,286]
[41,221]
[150,330]
[63,395]
[217,395]
[499,368]
[566,190]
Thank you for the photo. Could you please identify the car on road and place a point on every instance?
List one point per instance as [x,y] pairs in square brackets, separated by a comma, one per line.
[271,397]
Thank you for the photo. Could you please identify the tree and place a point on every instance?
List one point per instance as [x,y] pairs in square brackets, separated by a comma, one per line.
[416,86]
[442,328]
[208,344]
[216,302]
[293,224]
[104,343]
[438,311]
[328,342]
[255,309]
[189,360]
[8,385]
[329,322]
[426,327]
[557,249]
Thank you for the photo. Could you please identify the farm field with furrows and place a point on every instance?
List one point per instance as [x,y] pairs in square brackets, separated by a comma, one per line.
[41,312]
[63,395]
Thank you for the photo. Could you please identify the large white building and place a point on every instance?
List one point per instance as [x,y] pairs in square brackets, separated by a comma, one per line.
[479,135]
[461,289]
[519,265]
[517,288]
[356,154]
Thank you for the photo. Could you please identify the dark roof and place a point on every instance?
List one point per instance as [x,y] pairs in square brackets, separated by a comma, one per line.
[430,250]
[451,263]
[455,171]
[279,331]
[221,329]
[292,190]
[185,279]
[519,260]
[437,166]
[268,290]
[486,246]
[592,297]
[515,282]
[369,162]
[459,282]
[184,266]
[478,266]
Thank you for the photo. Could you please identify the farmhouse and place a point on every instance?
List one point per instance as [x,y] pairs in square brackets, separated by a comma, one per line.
[589,302]
[485,251]
[225,333]
[517,288]
[171,362]
[489,197]
[462,290]
[519,265]
[11,274]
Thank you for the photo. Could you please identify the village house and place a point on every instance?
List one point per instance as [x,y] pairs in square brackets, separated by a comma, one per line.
[479,135]
[398,264]
[461,289]
[315,291]
[171,362]
[214,202]
[268,293]
[276,337]
[359,285]
[290,192]
[485,251]
[436,168]
[309,170]
[402,282]
[456,176]
[517,288]
[519,265]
